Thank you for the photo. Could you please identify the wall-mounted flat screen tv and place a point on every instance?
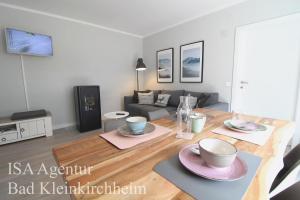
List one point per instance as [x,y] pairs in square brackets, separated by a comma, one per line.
[23,42]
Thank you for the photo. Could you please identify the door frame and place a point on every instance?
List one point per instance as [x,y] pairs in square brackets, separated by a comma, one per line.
[235,69]
[235,76]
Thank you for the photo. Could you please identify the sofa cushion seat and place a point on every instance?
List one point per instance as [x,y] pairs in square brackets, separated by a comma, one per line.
[205,98]
[149,108]
[136,108]
[171,109]
[144,110]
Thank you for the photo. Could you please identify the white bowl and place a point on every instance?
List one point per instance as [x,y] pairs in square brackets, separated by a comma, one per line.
[216,152]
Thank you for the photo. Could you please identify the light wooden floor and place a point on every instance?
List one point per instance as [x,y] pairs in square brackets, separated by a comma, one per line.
[35,152]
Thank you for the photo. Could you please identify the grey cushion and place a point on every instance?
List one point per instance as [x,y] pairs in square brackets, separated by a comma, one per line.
[162,100]
[212,98]
[203,100]
[146,98]
[175,95]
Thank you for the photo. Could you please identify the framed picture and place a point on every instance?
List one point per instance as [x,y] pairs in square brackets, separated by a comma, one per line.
[165,66]
[191,62]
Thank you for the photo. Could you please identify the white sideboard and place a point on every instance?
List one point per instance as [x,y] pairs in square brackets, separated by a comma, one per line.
[14,131]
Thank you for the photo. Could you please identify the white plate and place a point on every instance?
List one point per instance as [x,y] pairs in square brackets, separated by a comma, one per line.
[228,125]
[197,165]
[247,125]
[125,131]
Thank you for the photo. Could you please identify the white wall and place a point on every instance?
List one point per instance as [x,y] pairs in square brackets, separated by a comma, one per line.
[83,55]
[89,55]
[218,32]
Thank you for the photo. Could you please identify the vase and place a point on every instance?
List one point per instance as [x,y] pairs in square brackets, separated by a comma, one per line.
[184,111]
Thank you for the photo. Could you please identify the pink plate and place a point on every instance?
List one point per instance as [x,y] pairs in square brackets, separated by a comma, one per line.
[195,164]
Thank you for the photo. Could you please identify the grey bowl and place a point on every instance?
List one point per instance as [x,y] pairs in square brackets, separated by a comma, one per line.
[217,153]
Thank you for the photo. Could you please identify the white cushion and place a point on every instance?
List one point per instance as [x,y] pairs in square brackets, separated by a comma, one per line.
[146,98]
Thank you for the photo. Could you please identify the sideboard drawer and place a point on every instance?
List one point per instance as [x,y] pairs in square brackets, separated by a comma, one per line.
[40,125]
[8,137]
[24,130]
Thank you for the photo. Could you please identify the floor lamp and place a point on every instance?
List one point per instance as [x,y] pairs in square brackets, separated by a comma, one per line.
[140,66]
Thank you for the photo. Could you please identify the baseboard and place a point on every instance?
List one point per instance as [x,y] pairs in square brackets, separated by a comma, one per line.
[66,125]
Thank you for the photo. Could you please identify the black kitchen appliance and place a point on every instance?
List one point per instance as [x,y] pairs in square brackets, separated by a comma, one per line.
[87,107]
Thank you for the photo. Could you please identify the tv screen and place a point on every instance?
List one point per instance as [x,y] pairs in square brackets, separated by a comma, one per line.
[22,42]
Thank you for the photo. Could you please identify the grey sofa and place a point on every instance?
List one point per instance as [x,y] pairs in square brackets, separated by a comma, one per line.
[152,112]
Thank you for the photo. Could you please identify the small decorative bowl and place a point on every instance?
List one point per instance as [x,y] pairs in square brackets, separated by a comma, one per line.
[136,124]
[217,153]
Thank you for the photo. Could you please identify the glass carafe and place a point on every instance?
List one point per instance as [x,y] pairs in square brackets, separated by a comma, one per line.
[183,116]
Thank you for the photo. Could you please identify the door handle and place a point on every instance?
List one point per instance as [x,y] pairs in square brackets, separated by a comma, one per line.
[244,82]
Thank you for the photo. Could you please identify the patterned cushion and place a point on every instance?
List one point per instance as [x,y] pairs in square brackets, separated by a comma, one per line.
[156,93]
[146,98]
[175,95]
[162,100]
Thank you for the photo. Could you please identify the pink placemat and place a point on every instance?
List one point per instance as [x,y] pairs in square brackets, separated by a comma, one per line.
[123,142]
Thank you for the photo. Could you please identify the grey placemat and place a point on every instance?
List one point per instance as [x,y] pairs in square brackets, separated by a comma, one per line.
[201,188]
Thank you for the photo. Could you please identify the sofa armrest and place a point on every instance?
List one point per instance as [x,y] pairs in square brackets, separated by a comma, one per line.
[127,100]
[157,114]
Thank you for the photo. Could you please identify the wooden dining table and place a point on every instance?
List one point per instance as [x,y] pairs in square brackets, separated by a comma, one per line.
[134,166]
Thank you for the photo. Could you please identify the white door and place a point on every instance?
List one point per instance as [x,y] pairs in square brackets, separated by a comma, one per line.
[266,71]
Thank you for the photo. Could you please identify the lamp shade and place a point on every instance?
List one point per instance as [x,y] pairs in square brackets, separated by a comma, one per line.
[140,65]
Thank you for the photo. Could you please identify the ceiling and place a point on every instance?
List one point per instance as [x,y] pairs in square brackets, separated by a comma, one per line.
[135,17]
